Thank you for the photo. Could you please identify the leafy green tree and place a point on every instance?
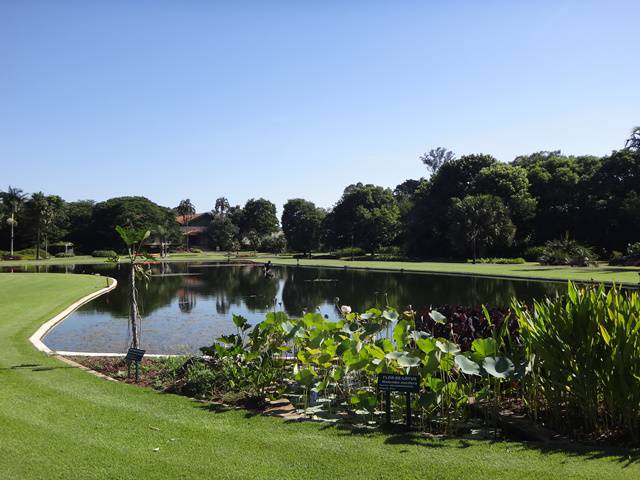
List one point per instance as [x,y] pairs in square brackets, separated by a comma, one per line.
[301,224]
[428,221]
[13,200]
[511,184]
[367,216]
[129,212]
[480,221]
[44,219]
[78,217]
[259,217]
[223,233]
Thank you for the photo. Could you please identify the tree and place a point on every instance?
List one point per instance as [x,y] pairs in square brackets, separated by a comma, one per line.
[13,200]
[480,221]
[428,220]
[259,217]
[633,142]
[301,224]
[37,208]
[511,184]
[435,158]
[186,210]
[222,206]
[222,233]
[367,216]
[133,240]
[128,212]
[78,217]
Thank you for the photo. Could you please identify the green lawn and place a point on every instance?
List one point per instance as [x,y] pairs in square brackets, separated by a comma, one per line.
[59,422]
[601,273]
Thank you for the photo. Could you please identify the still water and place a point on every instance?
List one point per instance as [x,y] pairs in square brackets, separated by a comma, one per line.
[184,306]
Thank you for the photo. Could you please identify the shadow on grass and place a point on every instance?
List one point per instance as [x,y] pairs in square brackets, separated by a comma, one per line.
[399,435]
[34,367]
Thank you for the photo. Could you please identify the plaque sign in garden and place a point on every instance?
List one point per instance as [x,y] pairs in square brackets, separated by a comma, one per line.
[134,355]
[393,382]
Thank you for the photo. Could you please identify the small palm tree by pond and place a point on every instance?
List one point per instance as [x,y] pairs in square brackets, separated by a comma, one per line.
[133,240]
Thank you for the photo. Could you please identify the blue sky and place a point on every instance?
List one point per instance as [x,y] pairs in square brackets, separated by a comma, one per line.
[299,99]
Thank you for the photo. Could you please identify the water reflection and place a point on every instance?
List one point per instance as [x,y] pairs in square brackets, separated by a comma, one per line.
[184,306]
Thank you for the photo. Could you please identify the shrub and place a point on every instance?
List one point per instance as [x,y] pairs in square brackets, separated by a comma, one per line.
[584,351]
[533,254]
[31,254]
[567,252]
[273,244]
[64,255]
[349,252]
[631,258]
[506,261]
[195,250]
[103,253]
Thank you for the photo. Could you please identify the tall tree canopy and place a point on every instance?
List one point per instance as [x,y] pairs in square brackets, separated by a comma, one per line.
[259,218]
[139,213]
[478,222]
[366,216]
[301,224]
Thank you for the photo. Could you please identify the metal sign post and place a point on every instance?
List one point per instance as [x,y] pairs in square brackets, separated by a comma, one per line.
[134,355]
[391,382]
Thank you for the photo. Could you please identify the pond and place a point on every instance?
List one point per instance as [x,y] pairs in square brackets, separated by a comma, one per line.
[184,306]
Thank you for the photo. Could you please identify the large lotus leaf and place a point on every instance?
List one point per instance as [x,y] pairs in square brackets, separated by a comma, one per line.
[499,367]
[418,334]
[446,346]
[427,345]
[305,376]
[375,351]
[387,345]
[395,355]
[400,333]
[408,361]
[486,347]
[390,315]
[447,361]
[437,316]
[430,363]
[467,366]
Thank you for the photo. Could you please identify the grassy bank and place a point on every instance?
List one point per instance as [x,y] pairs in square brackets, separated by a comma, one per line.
[59,422]
[600,273]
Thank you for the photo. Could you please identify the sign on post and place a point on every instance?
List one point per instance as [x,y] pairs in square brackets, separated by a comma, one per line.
[392,382]
[134,355]
[398,383]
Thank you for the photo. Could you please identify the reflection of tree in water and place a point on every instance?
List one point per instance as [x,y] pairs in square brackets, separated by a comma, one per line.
[309,288]
[186,300]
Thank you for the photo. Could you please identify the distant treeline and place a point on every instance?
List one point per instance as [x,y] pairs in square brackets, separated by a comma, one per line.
[467,205]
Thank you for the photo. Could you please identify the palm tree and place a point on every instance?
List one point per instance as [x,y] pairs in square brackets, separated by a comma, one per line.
[13,199]
[40,206]
[187,211]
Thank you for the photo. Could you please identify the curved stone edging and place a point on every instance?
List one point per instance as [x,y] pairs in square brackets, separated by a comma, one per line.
[36,338]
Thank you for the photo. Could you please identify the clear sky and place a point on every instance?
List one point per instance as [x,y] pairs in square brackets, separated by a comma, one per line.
[176,99]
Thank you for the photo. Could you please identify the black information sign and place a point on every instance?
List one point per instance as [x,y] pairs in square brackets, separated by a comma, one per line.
[392,382]
[134,355]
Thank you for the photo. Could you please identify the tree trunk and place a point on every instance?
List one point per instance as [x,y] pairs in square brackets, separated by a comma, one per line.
[12,222]
[133,312]
[38,246]
[474,250]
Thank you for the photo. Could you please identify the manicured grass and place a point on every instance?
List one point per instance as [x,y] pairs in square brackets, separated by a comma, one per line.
[602,273]
[59,422]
